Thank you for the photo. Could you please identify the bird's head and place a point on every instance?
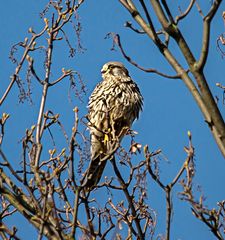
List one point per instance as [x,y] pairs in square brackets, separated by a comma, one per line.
[115,69]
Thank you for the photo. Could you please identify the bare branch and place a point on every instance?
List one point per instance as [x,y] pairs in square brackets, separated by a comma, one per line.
[5,230]
[206,34]
[65,74]
[129,25]
[27,49]
[169,14]
[199,9]
[129,199]
[185,13]
[148,165]
[116,40]
[128,4]
[161,14]
[7,163]
[31,65]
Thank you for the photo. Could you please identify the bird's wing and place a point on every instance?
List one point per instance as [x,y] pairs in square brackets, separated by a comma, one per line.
[113,106]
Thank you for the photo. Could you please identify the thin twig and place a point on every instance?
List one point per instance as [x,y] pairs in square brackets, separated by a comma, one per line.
[9,166]
[64,75]
[129,25]
[185,13]
[75,213]
[116,39]
[129,199]
[206,34]
[165,5]
[19,67]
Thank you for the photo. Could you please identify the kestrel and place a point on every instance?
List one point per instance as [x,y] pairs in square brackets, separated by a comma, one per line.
[113,106]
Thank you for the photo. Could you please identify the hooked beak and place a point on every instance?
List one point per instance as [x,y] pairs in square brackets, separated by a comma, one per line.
[104,69]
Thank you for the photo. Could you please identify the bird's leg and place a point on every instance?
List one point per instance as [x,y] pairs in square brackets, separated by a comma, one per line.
[114,137]
[107,127]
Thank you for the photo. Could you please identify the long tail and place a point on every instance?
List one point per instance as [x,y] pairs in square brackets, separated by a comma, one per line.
[93,174]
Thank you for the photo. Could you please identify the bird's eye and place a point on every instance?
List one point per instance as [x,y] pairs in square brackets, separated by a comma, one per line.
[113,66]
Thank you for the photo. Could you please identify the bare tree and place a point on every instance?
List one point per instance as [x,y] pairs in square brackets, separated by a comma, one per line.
[46,190]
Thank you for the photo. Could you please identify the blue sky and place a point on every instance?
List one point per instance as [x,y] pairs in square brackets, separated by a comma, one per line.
[169,110]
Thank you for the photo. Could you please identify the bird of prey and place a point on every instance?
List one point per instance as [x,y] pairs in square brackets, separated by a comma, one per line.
[113,106]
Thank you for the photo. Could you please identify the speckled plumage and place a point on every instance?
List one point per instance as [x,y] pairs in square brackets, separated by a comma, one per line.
[113,106]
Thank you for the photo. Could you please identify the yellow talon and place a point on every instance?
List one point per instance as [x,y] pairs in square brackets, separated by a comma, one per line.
[106,138]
